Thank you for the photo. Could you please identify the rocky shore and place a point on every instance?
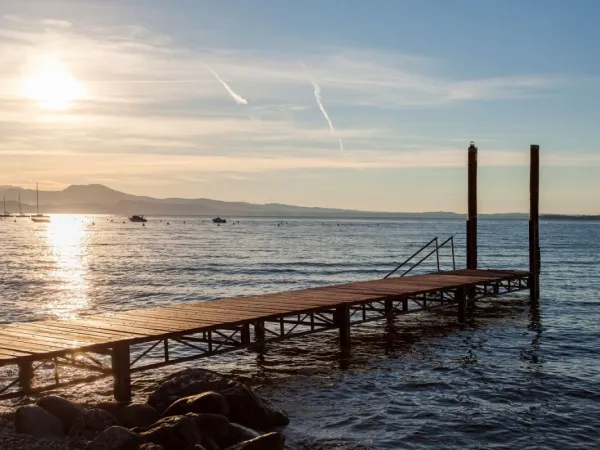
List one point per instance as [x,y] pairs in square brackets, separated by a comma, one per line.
[194,409]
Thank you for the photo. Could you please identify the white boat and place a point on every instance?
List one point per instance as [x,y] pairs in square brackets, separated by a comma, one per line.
[6,213]
[37,217]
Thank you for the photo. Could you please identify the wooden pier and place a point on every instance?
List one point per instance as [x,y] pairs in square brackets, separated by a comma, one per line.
[219,326]
[119,344]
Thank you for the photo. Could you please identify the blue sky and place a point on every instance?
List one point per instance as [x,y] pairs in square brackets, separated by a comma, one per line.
[405,84]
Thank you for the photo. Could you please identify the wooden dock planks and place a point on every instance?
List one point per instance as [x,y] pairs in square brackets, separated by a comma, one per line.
[104,331]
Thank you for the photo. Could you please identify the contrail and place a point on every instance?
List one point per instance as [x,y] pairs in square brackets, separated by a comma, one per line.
[239,99]
[319,100]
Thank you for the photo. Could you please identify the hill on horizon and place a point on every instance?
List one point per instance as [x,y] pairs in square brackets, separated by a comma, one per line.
[100,199]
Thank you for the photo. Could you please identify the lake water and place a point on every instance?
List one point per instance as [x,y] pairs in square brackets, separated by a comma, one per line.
[514,377]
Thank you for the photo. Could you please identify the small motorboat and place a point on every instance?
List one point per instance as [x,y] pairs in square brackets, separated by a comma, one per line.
[219,220]
[40,218]
[137,219]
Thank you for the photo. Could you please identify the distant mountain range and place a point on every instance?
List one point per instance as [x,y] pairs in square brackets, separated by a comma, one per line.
[99,199]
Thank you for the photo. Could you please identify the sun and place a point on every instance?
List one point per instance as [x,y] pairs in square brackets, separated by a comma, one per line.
[51,85]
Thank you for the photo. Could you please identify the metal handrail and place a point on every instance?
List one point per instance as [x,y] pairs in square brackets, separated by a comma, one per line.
[436,251]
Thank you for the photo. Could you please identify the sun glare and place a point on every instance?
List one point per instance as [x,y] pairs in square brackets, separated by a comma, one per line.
[52,85]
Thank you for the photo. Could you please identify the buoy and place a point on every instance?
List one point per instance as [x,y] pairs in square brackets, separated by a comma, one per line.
[143,224]
[167,223]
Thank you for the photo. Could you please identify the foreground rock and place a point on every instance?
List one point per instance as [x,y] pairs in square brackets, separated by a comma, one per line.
[235,434]
[37,422]
[270,441]
[246,407]
[207,402]
[131,415]
[96,419]
[174,433]
[64,410]
[213,426]
[116,438]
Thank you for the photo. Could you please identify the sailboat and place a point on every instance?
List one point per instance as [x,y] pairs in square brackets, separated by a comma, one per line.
[21,215]
[38,217]
[6,213]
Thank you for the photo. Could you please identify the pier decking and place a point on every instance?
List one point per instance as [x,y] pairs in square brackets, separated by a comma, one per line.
[214,327]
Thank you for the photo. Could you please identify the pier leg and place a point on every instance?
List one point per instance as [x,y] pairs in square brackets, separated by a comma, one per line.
[246,334]
[121,373]
[405,305]
[461,298]
[25,375]
[259,333]
[342,318]
[389,311]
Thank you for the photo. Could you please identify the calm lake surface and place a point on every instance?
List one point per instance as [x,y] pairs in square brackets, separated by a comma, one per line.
[514,377]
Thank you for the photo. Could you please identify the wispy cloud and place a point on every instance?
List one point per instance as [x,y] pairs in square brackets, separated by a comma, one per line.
[319,99]
[238,98]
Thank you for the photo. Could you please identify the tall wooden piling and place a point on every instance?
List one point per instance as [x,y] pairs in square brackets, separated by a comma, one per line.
[472,208]
[534,222]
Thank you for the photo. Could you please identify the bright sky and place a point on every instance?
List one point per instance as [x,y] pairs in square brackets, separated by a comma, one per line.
[345,103]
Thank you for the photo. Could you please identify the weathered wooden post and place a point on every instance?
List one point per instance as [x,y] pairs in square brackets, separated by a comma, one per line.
[121,372]
[25,375]
[534,223]
[461,298]
[472,208]
[389,311]
[245,334]
[259,333]
[342,319]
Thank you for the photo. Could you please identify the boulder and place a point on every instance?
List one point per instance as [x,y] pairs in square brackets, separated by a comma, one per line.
[173,433]
[116,438]
[37,422]
[207,402]
[214,426]
[270,441]
[131,415]
[246,407]
[96,419]
[66,411]
[235,434]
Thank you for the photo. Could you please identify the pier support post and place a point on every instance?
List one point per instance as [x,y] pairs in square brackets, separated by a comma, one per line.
[259,332]
[461,298]
[389,311]
[25,375]
[405,305]
[121,373]
[534,223]
[245,334]
[342,320]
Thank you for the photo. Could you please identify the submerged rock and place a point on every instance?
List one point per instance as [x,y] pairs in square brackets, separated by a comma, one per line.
[131,415]
[37,422]
[270,441]
[64,410]
[246,407]
[116,438]
[207,402]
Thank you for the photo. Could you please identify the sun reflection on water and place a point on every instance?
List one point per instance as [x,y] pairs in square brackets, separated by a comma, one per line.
[66,237]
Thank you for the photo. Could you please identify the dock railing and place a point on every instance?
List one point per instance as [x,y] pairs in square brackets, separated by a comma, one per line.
[436,251]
